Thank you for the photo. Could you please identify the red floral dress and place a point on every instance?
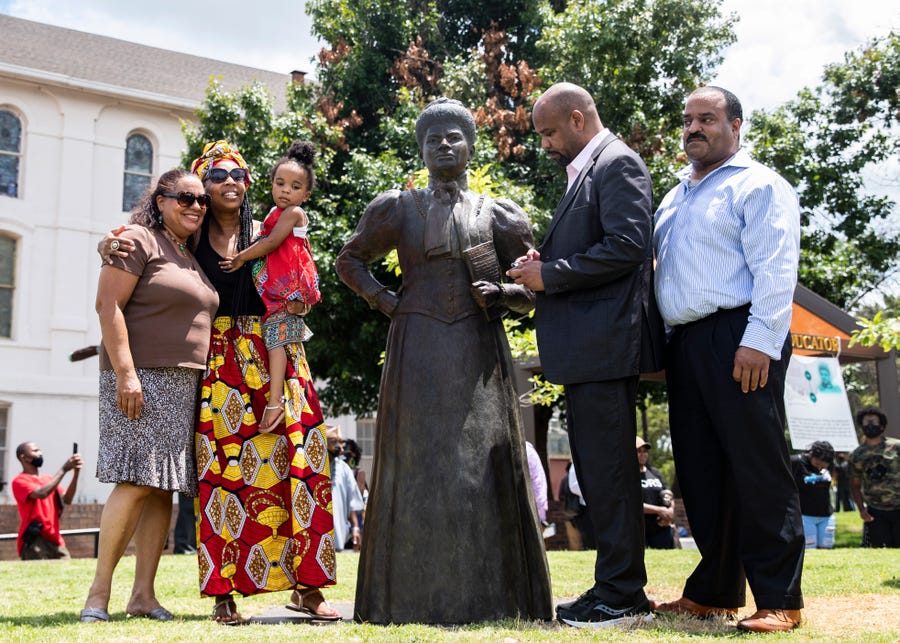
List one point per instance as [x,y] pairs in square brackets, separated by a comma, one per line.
[286,273]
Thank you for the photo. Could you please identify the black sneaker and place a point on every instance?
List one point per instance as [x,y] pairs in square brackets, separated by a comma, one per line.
[567,606]
[590,611]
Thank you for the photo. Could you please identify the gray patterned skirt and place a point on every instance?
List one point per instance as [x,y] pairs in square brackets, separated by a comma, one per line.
[156,450]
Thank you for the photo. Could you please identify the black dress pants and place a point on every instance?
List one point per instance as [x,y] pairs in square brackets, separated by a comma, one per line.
[600,419]
[734,470]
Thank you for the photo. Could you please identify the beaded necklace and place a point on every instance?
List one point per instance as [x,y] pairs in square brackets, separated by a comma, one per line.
[171,237]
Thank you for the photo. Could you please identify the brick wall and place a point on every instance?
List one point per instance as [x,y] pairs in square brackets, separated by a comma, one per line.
[74,517]
[555,514]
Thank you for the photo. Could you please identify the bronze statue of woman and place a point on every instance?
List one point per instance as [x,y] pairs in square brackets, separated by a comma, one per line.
[452,534]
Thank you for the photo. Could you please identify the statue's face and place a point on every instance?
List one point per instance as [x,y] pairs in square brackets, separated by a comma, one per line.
[445,150]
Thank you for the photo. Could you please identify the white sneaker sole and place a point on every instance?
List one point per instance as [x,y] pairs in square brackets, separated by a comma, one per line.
[626,621]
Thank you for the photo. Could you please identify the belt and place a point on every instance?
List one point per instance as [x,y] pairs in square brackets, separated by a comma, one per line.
[721,312]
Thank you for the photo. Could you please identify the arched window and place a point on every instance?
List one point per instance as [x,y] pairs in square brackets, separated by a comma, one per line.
[138,170]
[10,152]
[7,283]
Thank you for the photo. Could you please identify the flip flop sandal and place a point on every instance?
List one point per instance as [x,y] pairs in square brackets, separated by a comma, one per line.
[156,614]
[303,609]
[94,615]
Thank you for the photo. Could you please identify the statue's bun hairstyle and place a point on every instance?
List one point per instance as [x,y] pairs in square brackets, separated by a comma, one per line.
[303,153]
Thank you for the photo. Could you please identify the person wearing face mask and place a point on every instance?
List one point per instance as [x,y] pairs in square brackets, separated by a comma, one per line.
[40,499]
[875,480]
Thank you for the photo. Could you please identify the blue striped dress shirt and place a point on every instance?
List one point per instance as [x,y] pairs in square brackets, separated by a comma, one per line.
[731,239]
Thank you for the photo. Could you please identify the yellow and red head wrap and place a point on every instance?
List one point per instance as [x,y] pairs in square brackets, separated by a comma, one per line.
[215,152]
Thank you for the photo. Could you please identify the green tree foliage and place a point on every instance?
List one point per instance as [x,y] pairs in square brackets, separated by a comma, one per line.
[384,61]
[881,330]
[879,325]
[462,23]
[639,59]
[365,38]
[823,142]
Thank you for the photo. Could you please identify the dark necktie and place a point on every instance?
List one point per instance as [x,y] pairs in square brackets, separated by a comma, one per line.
[439,220]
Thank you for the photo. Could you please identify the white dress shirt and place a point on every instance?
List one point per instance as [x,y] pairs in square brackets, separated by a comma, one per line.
[584,157]
[731,239]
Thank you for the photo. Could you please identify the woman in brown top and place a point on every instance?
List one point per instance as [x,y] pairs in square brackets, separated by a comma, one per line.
[156,308]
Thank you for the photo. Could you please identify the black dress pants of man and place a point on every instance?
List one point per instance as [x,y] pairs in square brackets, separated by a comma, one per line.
[733,468]
[600,419]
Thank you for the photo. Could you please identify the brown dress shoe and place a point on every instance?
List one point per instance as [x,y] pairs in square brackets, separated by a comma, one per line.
[686,607]
[771,621]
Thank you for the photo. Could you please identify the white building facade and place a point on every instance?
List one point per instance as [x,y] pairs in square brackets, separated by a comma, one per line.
[71,104]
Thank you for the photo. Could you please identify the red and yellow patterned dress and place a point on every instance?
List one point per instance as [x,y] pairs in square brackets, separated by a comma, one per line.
[264,503]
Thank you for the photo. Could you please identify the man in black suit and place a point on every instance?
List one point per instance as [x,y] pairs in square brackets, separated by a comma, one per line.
[597,330]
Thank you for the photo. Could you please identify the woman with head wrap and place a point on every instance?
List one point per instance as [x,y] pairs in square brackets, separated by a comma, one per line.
[451,526]
[263,497]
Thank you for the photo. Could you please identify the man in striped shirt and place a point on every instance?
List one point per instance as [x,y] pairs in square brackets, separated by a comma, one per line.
[727,242]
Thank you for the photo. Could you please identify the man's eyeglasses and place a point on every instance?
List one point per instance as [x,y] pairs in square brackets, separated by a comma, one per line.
[220,174]
[186,199]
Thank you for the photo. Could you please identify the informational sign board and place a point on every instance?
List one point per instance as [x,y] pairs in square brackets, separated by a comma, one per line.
[816,403]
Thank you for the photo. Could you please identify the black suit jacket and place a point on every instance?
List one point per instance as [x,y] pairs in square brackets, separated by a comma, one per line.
[596,319]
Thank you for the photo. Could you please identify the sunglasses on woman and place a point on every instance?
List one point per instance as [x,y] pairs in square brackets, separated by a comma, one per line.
[220,174]
[186,199]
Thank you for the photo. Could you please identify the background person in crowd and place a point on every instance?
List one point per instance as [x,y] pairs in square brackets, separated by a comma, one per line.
[875,480]
[727,243]
[346,501]
[353,457]
[155,307]
[40,498]
[579,531]
[658,512]
[813,480]
[538,480]
[446,329]
[842,500]
[596,326]
[285,270]
[244,556]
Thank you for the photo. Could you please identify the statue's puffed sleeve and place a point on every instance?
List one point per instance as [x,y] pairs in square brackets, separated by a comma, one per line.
[512,239]
[376,235]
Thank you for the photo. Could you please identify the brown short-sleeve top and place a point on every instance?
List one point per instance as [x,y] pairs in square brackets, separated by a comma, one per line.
[170,312]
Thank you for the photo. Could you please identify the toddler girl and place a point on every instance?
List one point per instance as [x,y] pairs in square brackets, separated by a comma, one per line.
[288,272]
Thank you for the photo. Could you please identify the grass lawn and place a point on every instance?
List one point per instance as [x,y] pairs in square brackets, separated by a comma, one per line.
[848,529]
[852,594]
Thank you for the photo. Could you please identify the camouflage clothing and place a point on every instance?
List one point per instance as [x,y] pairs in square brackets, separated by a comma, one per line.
[879,468]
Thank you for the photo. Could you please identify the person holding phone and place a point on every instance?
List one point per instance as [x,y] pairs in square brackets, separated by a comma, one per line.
[40,498]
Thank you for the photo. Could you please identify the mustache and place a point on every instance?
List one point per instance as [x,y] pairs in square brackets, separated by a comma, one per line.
[696,136]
